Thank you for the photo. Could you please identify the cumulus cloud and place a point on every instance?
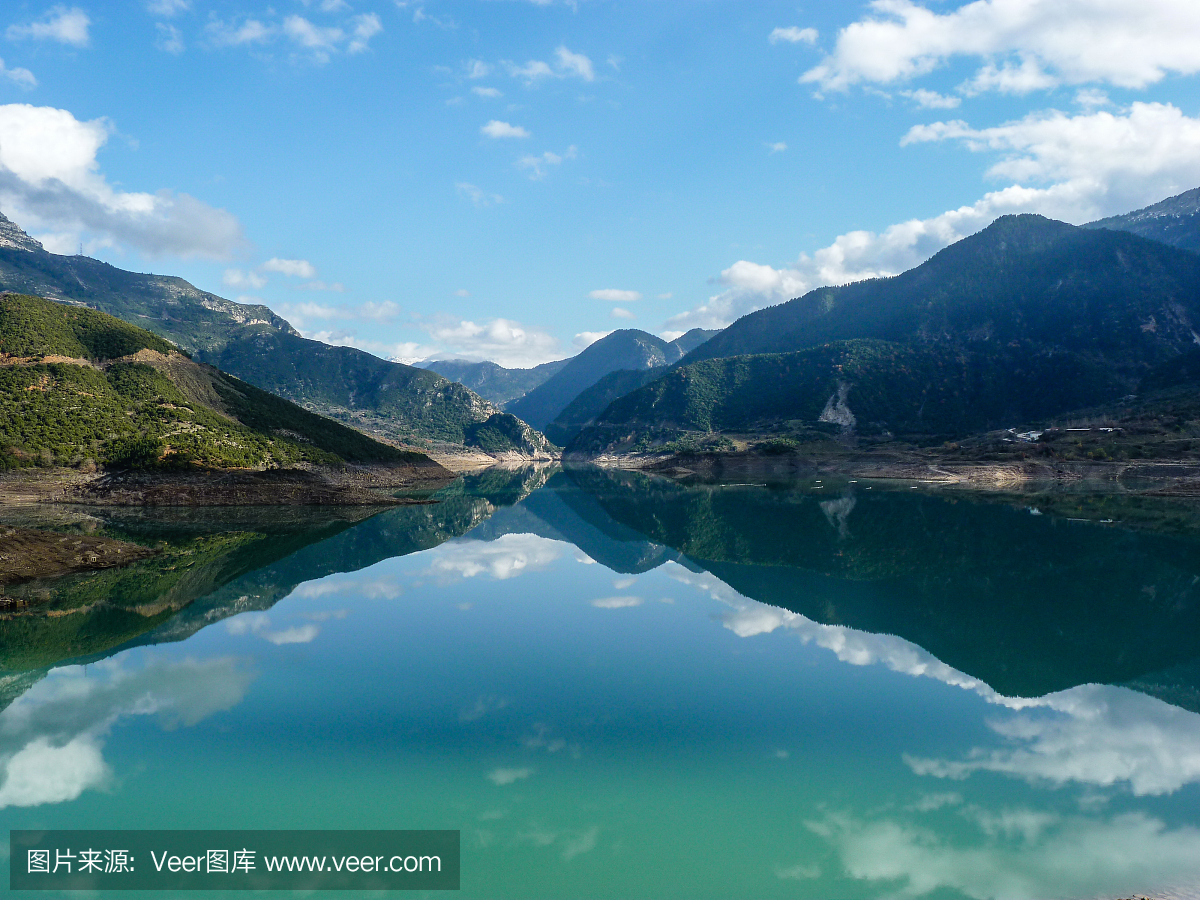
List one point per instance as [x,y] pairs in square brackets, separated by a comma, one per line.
[1017,855]
[576,64]
[1025,44]
[1076,168]
[777,147]
[931,99]
[301,315]
[259,625]
[50,180]
[242,280]
[497,129]
[489,92]
[52,736]
[621,313]
[311,41]
[586,338]
[294,268]
[66,26]
[793,35]
[506,557]
[501,340]
[614,295]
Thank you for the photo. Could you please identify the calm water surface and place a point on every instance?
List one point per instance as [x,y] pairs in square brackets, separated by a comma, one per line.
[615,686]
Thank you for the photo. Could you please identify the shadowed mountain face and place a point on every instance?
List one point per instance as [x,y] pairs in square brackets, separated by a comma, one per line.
[628,348]
[388,399]
[1174,221]
[1026,320]
[1023,278]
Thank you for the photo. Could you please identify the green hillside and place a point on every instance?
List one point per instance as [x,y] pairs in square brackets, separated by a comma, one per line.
[78,387]
[593,401]
[371,394]
[339,382]
[870,387]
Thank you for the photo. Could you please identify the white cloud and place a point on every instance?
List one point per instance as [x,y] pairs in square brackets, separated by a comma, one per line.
[302,315]
[67,26]
[585,339]
[1102,736]
[501,777]
[574,64]
[294,268]
[793,35]
[489,92]
[380,312]
[1028,854]
[1090,165]
[536,164]
[477,68]
[619,313]
[616,602]
[316,42]
[501,340]
[613,295]
[497,129]
[506,557]
[258,624]
[51,737]
[566,65]
[931,99]
[777,147]
[43,773]
[1025,44]
[364,28]
[236,278]
[50,180]
[170,38]
[251,31]
[19,76]
[167,8]
[477,195]
[336,286]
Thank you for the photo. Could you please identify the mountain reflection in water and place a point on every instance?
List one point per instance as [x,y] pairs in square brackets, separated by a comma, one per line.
[956,656]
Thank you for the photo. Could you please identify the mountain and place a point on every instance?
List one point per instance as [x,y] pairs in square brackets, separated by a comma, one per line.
[353,387]
[593,401]
[492,381]
[1023,278]
[386,399]
[80,388]
[627,348]
[1174,221]
[1026,319]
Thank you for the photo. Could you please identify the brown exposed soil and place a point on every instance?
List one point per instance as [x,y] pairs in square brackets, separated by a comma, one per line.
[27,554]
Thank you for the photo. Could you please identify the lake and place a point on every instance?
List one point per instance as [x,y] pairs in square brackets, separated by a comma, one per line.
[616,686]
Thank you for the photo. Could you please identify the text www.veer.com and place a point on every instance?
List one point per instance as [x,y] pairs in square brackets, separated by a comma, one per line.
[353,864]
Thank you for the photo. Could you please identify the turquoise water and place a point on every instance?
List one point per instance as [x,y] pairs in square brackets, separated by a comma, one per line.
[620,687]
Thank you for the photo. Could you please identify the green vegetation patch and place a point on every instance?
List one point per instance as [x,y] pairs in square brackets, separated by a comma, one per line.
[31,326]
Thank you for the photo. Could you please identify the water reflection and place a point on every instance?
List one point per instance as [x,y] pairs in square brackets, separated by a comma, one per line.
[845,693]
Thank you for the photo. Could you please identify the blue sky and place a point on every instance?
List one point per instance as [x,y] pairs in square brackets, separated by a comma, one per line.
[508,179]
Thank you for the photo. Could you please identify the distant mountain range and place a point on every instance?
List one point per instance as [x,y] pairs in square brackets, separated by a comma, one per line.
[1027,319]
[492,381]
[393,401]
[627,348]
